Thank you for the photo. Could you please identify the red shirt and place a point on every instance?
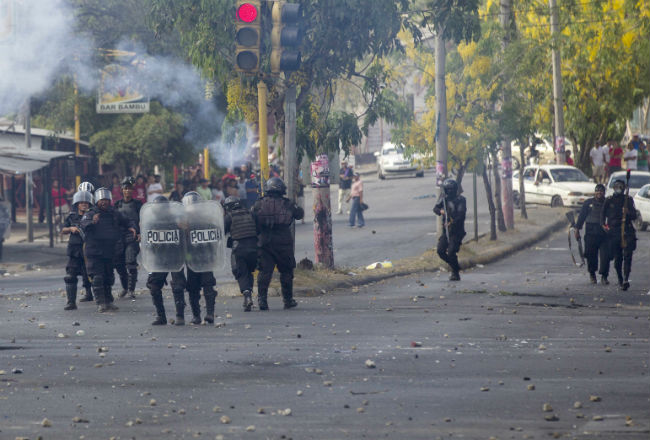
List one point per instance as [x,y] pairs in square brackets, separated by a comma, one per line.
[140,192]
[615,161]
[116,191]
[59,197]
[569,161]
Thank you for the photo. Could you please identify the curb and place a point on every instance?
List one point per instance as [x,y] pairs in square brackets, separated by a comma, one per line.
[465,263]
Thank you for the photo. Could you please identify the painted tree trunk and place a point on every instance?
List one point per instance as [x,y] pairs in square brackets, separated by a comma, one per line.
[490,201]
[497,194]
[323,244]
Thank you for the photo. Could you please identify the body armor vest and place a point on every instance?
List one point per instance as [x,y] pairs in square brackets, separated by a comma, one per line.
[595,210]
[274,213]
[131,210]
[243,225]
[74,219]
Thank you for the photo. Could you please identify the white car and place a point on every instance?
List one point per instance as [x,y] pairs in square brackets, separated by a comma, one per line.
[637,180]
[642,204]
[391,162]
[555,185]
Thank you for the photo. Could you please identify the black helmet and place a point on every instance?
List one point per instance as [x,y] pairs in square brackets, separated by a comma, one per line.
[450,187]
[619,186]
[600,187]
[232,202]
[191,197]
[128,181]
[161,199]
[275,185]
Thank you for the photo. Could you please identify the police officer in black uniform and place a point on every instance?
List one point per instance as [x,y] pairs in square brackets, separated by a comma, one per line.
[126,263]
[102,227]
[198,280]
[76,266]
[157,280]
[273,216]
[611,220]
[453,208]
[596,242]
[239,222]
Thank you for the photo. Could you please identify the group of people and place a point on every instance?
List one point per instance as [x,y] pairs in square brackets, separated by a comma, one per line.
[105,237]
[608,158]
[609,233]
[351,189]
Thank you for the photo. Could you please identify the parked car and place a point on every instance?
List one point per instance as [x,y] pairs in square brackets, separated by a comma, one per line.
[392,162]
[642,204]
[555,185]
[637,180]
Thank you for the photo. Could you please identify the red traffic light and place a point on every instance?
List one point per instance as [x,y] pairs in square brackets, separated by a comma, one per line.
[247,13]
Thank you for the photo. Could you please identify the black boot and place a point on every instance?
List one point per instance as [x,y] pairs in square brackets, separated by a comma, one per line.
[100,299]
[626,284]
[287,294]
[71,294]
[157,298]
[88,296]
[109,299]
[179,302]
[195,306]
[604,280]
[210,296]
[261,299]
[248,300]
[592,278]
[133,280]
[455,276]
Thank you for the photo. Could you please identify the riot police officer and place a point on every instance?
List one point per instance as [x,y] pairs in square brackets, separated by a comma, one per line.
[622,237]
[199,280]
[162,245]
[595,236]
[239,222]
[128,248]
[76,266]
[453,208]
[273,216]
[102,227]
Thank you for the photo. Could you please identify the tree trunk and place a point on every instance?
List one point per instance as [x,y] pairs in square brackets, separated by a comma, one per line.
[522,190]
[488,192]
[323,244]
[497,194]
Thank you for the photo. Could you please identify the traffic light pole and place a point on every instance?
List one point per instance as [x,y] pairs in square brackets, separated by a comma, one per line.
[263,133]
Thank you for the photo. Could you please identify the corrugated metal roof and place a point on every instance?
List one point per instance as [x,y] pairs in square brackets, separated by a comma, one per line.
[15,160]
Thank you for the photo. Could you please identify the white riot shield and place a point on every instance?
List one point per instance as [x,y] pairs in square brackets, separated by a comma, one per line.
[206,244]
[5,220]
[162,242]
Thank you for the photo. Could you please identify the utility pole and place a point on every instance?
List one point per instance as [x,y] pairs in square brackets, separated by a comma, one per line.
[77,132]
[558,98]
[441,117]
[263,133]
[29,223]
[506,153]
[290,152]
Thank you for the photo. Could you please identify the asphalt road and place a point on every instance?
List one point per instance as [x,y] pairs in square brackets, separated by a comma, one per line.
[400,215]
[490,353]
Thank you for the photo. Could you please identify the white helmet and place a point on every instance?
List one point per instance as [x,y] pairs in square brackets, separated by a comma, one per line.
[82,196]
[103,193]
[86,186]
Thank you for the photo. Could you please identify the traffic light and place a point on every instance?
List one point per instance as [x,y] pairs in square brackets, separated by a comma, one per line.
[285,37]
[247,36]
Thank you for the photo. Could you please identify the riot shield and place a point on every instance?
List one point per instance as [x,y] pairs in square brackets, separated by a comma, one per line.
[5,220]
[162,242]
[206,245]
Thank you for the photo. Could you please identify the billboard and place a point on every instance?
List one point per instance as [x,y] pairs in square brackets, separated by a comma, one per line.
[121,89]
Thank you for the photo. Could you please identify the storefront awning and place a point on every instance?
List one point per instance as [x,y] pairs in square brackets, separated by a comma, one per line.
[15,160]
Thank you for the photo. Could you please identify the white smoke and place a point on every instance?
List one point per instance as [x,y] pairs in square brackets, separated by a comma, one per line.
[38,44]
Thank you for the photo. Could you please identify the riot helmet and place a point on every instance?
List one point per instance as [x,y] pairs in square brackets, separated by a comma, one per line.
[82,196]
[600,187]
[275,185]
[128,181]
[161,199]
[619,186]
[232,202]
[191,198]
[103,193]
[86,186]
[450,187]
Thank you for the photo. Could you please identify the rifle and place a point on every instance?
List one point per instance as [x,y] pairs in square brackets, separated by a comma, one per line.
[624,217]
[448,218]
[573,231]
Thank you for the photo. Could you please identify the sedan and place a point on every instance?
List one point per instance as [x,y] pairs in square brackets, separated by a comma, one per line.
[642,204]
[555,185]
[637,180]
